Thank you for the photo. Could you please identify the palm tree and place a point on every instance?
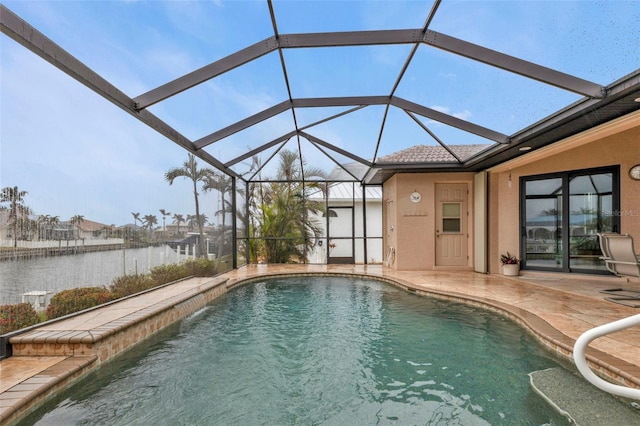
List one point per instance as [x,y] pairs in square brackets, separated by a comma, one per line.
[76,220]
[178,218]
[33,226]
[191,171]
[149,222]
[15,198]
[223,184]
[53,221]
[43,220]
[24,223]
[164,214]
[192,221]
[136,218]
[283,220]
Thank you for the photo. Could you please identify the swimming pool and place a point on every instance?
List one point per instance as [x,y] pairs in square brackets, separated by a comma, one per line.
[319,350]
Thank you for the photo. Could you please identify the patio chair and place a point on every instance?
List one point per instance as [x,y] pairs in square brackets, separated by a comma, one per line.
[604,246]
[621,259]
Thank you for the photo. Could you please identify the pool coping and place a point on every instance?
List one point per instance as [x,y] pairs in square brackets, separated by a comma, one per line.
[81,351]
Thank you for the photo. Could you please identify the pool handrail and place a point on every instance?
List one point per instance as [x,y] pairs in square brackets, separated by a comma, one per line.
[579,356]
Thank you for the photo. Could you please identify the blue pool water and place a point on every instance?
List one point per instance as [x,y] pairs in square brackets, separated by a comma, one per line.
[319,350]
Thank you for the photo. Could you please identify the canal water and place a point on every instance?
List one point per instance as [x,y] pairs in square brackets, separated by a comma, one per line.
[58,273]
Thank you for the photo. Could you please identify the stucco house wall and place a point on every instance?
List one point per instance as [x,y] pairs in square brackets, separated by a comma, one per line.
[410,228]
[612,144]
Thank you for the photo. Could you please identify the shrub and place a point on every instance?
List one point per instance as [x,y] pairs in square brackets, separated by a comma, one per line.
[130,284]
[74,300]
[15,317]
[167,273]
[159,275]
[200,267]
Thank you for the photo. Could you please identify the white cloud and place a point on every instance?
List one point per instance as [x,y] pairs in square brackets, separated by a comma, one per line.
[440,108]
[448,75]
[463,115]
[76,153]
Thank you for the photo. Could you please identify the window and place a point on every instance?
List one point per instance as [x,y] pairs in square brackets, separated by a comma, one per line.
[451,217]
[561,215]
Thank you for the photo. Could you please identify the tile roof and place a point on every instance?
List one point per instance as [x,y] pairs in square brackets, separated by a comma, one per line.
[432,154]
[90,226]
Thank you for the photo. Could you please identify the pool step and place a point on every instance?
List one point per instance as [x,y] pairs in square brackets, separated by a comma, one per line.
[581,402]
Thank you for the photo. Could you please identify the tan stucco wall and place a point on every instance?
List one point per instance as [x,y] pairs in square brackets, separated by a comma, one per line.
[608,146]
[410,227]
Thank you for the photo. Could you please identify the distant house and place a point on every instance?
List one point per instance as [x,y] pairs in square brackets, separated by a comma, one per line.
[83,230]
[173,230]
[343,237]
[37,233]
[90,230]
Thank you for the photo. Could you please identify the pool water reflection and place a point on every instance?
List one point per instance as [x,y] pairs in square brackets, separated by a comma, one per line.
[319,350]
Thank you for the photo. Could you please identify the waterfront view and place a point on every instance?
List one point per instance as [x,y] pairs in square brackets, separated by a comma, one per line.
[57,273]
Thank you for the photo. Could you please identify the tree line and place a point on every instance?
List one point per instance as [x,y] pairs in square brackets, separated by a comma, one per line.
[279,221]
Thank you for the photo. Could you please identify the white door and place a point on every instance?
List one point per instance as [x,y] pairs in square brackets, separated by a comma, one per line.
[451,224]
[341,235]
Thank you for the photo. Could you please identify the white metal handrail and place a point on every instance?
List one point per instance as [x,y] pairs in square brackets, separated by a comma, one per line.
[579,356]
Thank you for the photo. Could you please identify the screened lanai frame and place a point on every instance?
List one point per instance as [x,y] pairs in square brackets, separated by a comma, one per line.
[593,103]
[364,239]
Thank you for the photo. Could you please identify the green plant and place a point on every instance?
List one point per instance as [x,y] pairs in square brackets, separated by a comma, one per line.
[509,259]
[76,299]
[167,273]
[130,284]
[200,267]
[285,224]
[16,317]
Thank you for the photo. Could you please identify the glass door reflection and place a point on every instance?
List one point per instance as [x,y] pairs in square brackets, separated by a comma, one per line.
[543,223]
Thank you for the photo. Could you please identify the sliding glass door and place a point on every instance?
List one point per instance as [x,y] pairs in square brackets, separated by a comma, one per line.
[543,223]
[561,215]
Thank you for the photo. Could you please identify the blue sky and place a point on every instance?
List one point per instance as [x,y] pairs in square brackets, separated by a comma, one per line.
[75,153]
